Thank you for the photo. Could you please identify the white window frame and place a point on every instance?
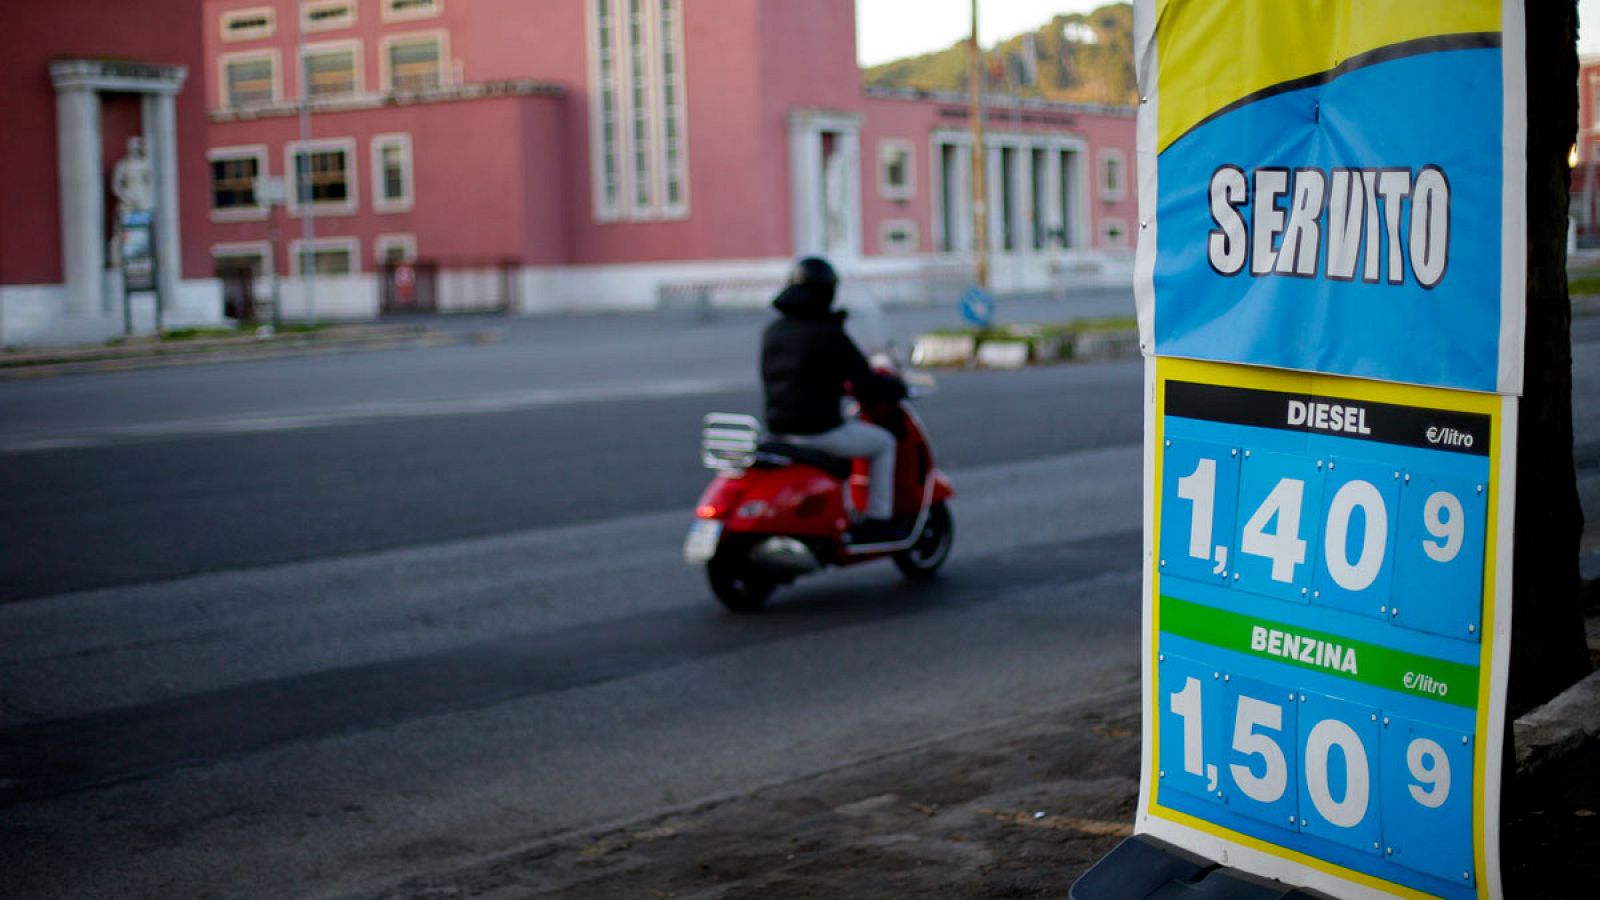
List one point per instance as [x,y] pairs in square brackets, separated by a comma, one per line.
[349,244]
[225,22]
[1108,156]
[346,21]
[263,249]
[908,189]
[239,213]
[352,176]
[405,241]
[392,15]
[626,206]
[888,248]
[225,94]
[351,44]
[1106,243]
[407,200]
[1593,97]
[439,35]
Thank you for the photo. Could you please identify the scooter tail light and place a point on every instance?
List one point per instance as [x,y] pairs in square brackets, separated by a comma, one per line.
[719,500]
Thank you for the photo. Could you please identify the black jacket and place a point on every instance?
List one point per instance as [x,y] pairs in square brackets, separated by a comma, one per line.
[806,360]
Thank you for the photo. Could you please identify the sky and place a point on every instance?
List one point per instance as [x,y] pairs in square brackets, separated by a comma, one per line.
[891,29]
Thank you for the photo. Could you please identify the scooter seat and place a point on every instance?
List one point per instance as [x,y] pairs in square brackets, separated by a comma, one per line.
[778,453]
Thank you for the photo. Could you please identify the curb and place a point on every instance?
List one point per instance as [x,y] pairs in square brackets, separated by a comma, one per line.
[46,364]
[1562,727]
[966,351]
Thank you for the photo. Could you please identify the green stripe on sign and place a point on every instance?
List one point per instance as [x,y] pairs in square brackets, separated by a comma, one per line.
[1369,664]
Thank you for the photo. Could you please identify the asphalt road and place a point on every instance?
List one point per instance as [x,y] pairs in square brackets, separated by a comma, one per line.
[302,627]
[308,627]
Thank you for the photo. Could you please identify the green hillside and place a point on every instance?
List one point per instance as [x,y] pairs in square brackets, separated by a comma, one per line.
[1079,58]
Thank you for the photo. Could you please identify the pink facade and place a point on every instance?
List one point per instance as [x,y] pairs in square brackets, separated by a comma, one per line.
[36,33]
[587,135]
[1586,172]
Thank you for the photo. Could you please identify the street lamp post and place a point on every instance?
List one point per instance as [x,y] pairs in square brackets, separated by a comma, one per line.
[980,213]
[308,256]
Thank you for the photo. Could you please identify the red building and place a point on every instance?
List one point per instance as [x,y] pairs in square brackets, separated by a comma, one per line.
[584,154]
[1586,163]
[79,80]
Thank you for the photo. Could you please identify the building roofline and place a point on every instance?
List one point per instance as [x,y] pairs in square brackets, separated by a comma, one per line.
[483,90]
[1002,101]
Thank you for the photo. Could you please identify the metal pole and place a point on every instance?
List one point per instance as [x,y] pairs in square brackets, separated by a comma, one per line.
[277,294]
[980,213]
[127,301]
[155,266]
[308,269]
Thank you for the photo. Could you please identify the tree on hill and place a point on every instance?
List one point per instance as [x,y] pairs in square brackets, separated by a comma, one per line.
[1077,58]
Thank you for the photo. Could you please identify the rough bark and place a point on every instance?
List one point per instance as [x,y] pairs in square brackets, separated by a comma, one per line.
[1548,649]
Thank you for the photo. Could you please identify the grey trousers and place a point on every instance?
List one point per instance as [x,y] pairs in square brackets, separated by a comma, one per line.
[855,438]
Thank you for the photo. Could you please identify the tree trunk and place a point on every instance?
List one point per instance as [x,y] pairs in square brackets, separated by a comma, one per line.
[1548,648]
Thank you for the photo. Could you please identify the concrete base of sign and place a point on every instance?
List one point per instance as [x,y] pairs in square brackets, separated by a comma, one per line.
[1561,726]
[1143,866]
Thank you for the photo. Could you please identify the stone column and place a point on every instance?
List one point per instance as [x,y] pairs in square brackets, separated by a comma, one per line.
[1053,215]
[805,187]
[996,237]
[960,201]
[83,228]
[850,146]
[161,143]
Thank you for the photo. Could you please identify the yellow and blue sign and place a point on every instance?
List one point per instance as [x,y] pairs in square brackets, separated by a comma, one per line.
[1330,285]
[1321,616]
[1329,188]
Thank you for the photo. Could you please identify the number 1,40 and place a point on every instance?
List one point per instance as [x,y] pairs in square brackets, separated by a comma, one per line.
[1273,530]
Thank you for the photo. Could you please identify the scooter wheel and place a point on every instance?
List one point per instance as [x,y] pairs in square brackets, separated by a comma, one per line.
[739,589]
[932,548]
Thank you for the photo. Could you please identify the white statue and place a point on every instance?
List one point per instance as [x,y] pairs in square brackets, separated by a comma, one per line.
[836,201]
[134,180]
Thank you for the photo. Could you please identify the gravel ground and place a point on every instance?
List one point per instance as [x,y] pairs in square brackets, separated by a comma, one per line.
[1017,810]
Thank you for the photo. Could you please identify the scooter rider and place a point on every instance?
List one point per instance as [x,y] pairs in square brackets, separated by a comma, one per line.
[806,361]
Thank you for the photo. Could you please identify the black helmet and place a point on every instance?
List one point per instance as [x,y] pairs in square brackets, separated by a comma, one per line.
[815,272]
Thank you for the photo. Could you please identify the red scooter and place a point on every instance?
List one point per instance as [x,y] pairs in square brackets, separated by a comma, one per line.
[776,511]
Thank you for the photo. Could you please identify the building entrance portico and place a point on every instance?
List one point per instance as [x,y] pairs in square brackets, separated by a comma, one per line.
[91,295]
[825,183]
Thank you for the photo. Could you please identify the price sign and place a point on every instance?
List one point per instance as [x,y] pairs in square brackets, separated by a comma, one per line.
[1321,595]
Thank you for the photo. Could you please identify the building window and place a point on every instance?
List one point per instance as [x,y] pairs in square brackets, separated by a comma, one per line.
[396,10]
[391,172]
[415,63]
[1112,177]
[391,249]
[1114,234]
[325,256]
[670,41]
[248,24]
[898,237]
[249,80]
[234,171]
[324,173]
[333,70]
[250,256]
[895,179]
[640,163]
[327,15]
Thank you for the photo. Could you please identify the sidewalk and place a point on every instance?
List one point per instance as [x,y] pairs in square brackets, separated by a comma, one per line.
[144,353]
[1016,809]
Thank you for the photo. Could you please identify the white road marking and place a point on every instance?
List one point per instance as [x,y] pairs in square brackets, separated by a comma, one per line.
[368,413]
